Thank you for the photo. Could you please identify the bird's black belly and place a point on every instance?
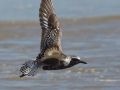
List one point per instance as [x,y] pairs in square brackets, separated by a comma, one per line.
[57,67]
[53,67]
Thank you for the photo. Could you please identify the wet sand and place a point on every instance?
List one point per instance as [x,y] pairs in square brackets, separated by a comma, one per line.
[95,40]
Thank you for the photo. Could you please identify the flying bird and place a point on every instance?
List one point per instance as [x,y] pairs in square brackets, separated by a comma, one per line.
[51,56]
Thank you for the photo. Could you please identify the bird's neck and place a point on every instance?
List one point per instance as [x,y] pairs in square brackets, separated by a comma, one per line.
[67,60]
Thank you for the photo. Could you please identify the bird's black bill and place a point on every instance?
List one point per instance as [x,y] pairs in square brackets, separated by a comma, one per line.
[22,75]
[83,62]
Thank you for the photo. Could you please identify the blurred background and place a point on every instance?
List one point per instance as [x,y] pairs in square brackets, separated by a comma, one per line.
[93,27]
[28,9]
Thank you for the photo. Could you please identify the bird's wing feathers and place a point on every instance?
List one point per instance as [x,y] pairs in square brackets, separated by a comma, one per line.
[52,56]
[51,33]
[54,50]
[50,41]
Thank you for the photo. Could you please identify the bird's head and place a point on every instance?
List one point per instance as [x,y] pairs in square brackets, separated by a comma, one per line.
[76,60]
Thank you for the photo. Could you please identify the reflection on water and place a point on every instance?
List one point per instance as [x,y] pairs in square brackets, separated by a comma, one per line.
[95,40]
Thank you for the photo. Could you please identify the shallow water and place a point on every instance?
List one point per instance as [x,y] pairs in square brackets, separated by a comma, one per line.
[95,40]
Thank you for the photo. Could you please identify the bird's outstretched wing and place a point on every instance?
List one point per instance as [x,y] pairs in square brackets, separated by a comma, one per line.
[50,41]
[51,32]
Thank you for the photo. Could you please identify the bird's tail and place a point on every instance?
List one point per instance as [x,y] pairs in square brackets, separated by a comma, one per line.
[29,68]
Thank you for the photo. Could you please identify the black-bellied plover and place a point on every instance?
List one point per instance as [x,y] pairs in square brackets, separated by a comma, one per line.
[51,56]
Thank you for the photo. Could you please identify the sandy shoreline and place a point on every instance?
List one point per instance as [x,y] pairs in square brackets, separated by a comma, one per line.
[16,29]
[64,20]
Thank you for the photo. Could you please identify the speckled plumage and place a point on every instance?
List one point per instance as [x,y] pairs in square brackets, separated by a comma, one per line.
[51,32]
[51,56]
